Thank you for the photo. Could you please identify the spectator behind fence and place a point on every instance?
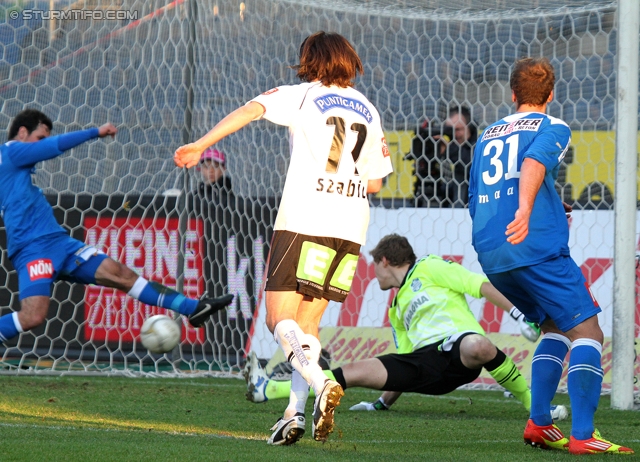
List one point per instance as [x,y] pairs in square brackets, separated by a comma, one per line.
[443,157]
[216,184]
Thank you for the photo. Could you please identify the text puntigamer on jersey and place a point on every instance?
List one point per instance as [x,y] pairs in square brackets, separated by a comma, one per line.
[326,102]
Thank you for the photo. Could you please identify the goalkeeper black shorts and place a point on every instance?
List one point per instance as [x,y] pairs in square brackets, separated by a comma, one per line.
[428,370]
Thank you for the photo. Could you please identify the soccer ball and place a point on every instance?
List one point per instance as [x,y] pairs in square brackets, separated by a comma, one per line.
[160,333]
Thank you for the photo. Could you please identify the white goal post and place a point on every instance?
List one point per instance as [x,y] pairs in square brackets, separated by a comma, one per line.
[164,72]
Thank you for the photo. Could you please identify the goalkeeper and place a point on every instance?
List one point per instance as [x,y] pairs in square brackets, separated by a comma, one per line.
[440,344]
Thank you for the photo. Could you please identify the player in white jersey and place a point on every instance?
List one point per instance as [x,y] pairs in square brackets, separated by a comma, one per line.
[338,156]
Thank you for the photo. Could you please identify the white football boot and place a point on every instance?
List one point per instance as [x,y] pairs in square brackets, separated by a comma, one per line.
[287,431]
[256,379]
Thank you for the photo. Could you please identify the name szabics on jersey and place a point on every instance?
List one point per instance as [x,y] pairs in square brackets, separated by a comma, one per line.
[338,187]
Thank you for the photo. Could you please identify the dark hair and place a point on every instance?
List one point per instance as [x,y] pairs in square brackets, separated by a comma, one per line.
[394,248]
[329,58]
[29,119]
[532,81]
[465,112]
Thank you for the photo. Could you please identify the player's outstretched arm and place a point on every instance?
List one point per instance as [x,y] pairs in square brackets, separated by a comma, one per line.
[492,294]
[107,130]
[531,178]
[30,153]
[189,154]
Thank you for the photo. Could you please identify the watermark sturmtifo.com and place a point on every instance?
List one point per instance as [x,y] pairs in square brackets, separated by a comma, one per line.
[76,15]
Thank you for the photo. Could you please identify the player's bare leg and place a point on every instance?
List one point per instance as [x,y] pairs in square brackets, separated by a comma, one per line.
[477,351]
[281,305]
[367,373]
[114,274]
[589,328]
[33,311]
[303,350]
[310,311]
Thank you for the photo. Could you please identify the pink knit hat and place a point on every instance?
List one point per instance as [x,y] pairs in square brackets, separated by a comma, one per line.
[213,155]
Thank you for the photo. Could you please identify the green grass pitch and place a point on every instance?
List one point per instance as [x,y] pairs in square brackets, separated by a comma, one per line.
[144,419]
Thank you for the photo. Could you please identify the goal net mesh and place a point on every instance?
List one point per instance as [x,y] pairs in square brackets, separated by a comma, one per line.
[165,72]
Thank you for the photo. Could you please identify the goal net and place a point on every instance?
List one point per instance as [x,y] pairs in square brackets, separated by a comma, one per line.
[164,72]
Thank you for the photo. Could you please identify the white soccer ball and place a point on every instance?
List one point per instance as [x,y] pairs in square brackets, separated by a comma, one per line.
[160,334]
[559,412]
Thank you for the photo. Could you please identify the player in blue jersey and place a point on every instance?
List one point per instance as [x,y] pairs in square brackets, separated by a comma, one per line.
[521,233]
[41,250]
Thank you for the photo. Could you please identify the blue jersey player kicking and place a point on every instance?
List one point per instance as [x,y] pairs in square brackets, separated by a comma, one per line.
[41,250]
[521,233]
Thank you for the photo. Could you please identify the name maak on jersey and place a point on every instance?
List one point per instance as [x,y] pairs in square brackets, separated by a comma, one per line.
[484,198]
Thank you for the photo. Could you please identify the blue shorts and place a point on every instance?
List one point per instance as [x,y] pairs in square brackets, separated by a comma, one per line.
[52,258]
[553,289]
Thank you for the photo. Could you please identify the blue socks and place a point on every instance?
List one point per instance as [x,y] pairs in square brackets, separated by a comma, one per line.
[156,294]
[9,326]
[546,370]
[584,383]
[147,292]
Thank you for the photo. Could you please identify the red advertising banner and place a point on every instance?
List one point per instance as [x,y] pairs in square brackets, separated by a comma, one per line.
[149,246]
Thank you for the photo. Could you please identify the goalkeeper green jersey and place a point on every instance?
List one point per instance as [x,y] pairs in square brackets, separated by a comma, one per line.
[431,305]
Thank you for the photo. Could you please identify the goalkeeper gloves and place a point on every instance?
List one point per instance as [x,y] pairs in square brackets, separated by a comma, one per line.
[379,405]
[529,330]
